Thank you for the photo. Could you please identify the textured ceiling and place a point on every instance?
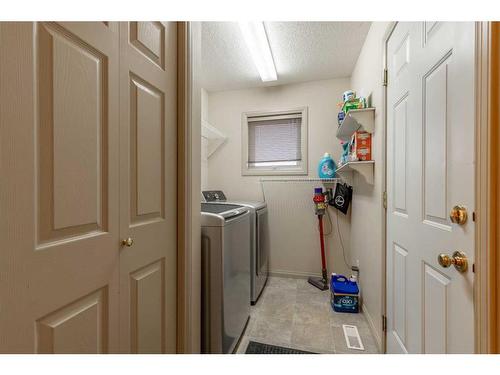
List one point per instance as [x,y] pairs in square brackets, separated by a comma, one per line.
[302,51]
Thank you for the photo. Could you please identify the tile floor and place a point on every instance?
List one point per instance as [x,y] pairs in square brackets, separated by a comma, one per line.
[294,314]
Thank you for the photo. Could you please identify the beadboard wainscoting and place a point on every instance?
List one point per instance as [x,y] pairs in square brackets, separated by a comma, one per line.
[294,235]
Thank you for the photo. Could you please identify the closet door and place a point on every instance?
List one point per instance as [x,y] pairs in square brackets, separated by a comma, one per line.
[148,181]
[58,202]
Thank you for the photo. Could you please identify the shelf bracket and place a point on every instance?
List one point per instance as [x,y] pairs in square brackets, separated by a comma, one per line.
[364,168]
[365,172]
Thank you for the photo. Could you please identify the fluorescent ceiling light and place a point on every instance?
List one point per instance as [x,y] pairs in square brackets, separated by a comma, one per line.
[255,37]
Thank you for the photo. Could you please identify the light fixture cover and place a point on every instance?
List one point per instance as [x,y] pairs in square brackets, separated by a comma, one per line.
[255,37]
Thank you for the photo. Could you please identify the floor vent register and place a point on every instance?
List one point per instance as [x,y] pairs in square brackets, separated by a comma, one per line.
[352,338]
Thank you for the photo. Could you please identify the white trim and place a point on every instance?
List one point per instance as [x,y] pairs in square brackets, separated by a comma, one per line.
[482,253]
[292,274]
[373,328]
[277,171]
[383,338]
[276,113]
[275,117]
[188,194]
[301,170]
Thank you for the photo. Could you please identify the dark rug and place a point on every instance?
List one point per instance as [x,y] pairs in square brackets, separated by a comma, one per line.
[259,348]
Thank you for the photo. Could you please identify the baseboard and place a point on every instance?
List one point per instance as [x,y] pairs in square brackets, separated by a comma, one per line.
[292,274]
[373,328]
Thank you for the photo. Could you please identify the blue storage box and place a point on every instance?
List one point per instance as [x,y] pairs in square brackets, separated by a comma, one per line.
[344,295]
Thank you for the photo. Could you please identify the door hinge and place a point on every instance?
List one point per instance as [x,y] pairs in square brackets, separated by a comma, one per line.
[384,323]
[384,199]
[385,78]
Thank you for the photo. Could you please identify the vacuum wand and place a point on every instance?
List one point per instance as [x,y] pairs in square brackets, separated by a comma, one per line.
[320,206]
[323,257]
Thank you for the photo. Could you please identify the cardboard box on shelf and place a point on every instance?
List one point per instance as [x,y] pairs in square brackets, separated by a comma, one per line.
[361,146]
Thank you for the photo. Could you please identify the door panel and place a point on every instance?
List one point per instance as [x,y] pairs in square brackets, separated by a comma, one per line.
[436,302]
[435,129]
[73,128]
[400,148]
[149,38]
[85,319]
[148,198]
[148,309]
[147,145]
[399,314]
[430,168]
[59,145]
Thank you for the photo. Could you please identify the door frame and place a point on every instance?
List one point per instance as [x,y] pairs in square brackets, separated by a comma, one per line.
[487,186]
[385,40]
[494,332]
[188,188]
[487,182]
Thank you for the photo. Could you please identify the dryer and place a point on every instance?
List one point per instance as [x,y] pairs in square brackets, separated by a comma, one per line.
[259,243]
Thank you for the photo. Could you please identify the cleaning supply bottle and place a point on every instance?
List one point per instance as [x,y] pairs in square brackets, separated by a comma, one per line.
[327,167]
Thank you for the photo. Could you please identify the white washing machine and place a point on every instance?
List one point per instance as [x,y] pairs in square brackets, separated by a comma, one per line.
[259,245]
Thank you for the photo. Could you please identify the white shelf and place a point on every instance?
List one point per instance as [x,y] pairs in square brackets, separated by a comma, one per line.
[214,136]
[364,168]
[325,181]
[356,120]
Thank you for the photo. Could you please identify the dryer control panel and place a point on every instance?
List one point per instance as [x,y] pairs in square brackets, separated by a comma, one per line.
[214,196]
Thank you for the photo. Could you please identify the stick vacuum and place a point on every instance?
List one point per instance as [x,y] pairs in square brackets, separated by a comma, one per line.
[320,207]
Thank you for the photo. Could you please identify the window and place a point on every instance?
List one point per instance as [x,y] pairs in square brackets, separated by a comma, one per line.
[275,143]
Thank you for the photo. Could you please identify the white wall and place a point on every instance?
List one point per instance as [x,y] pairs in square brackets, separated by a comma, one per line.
[204,141]
[293,225]
[367,213]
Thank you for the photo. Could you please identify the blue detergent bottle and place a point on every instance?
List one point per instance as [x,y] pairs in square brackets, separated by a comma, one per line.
[327,167]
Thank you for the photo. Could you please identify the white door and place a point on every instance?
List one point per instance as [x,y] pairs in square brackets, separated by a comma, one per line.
[430,169]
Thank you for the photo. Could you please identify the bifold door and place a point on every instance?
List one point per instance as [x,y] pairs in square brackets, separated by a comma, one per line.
[148,185]
[59,155]
[87,158]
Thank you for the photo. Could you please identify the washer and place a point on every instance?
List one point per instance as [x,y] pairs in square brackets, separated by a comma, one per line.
[225,234]
[260,245]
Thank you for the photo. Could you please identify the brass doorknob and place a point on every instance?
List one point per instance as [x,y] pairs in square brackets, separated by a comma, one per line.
[458,215]
[127,242]
[458,259]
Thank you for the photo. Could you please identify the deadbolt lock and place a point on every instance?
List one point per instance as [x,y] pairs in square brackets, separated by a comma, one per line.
[127,242]
[458,215]
[458,259]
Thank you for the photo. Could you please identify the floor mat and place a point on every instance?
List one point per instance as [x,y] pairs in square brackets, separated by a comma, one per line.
[259,348]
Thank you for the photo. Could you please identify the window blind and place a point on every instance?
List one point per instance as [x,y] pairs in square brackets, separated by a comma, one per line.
[274,139]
